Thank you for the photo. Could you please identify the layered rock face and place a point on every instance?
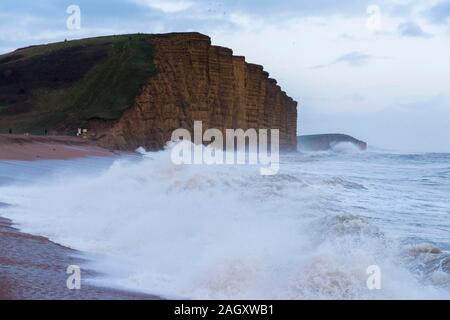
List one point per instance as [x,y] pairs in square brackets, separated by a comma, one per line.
[200,82]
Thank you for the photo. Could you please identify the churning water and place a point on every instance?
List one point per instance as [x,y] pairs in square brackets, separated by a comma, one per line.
[199,231]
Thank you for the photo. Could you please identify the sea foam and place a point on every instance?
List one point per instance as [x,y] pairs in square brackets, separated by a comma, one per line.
[217,232]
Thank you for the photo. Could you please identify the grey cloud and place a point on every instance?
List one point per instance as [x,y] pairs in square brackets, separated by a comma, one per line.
[352,59]
[322,7]
[412,29]
[440,13]
[273,9]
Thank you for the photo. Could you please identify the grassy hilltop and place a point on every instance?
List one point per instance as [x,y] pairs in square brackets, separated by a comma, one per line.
[61,86]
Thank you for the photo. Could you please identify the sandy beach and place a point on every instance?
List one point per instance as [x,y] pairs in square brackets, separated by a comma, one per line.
[34,268]
[21,147]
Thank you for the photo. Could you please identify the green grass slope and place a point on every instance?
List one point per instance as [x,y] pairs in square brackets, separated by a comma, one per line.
[61,86]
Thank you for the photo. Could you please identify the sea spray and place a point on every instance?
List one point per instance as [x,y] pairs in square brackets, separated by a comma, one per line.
[222,232]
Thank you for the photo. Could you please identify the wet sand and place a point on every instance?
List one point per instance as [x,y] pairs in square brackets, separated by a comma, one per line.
[21,147]
[34,268]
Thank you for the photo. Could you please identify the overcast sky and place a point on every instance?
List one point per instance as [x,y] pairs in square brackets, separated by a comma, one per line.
[378,70]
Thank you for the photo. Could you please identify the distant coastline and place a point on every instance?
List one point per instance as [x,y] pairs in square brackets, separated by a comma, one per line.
[324,142]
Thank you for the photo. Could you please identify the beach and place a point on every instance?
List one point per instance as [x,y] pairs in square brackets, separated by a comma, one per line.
[34,268]
[27,147]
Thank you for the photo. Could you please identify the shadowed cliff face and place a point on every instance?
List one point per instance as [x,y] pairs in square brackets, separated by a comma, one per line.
[135,90]
[56,70]
[200,82]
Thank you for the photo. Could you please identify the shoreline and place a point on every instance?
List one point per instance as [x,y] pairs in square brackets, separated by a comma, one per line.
[34,268]
[31,148]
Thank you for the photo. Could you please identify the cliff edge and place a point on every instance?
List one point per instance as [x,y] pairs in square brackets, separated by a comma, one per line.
[134,90]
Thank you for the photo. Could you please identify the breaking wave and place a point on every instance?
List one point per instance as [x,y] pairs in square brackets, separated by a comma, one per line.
[345,147]
[226,232]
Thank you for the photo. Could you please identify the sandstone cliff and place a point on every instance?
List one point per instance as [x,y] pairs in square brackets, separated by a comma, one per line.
[198,81]
[189,80]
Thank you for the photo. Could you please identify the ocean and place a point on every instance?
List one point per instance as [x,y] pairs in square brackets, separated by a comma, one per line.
[313,231]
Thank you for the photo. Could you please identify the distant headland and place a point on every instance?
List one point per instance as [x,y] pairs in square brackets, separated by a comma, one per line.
[324,142]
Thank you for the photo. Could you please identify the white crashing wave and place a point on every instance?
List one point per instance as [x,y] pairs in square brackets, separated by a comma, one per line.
[345,147]
[213,232]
